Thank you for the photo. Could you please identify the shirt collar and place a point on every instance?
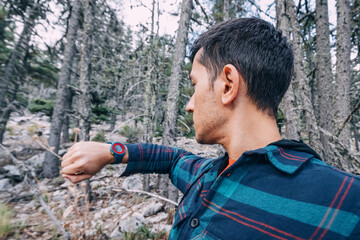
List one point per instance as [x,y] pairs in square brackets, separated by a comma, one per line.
[286,155]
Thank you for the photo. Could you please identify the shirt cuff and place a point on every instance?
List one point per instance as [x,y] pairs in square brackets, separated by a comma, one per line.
[133,164]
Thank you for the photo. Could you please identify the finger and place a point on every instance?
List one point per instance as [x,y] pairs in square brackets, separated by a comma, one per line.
[70,151]
[76,178]
[73,169]
[71,158]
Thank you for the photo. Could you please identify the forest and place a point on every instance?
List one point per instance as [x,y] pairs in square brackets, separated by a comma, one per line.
[105,78]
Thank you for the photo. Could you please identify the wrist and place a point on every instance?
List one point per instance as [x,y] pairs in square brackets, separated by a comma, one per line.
[109,157]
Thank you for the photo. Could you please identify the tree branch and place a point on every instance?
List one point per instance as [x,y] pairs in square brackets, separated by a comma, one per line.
[348,118]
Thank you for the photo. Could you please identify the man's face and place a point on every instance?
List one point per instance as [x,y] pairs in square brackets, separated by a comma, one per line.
[204,104]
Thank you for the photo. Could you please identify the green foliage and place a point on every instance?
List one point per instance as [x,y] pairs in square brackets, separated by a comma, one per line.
[101,114]
[99,137]
[5,216]
[159,131]
[130,133]
[41,105]
[44,71]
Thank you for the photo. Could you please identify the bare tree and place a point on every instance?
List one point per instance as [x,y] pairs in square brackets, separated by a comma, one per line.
[342,77]
[150,94]
[50,166]
[288,105]
[324,76]
[174,86]
[84,104]
[176,74]
[305,103]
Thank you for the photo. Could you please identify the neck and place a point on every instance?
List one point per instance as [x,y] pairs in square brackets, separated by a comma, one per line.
[247,130]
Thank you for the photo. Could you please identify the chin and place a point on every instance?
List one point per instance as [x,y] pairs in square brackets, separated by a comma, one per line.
[203,140]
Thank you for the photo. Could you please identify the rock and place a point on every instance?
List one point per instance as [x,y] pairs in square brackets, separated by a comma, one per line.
[158,218]
[116,234]
[11,171]
[133,223]
[152,209]
[36,161]
[5,158]
[133,182]
[5,184]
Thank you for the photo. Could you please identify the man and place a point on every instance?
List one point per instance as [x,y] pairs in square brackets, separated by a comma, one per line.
[264,187]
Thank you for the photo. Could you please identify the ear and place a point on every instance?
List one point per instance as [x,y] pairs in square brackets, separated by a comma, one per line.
[230,84]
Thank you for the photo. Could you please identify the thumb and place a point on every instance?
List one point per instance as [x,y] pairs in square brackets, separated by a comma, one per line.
[76,178]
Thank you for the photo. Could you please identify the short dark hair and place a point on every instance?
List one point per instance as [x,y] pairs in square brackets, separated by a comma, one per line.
[259,52]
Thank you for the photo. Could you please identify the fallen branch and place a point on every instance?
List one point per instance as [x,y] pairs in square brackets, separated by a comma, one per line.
[147,193]
[52,216]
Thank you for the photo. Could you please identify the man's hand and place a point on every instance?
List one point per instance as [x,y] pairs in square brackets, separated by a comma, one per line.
[85,159]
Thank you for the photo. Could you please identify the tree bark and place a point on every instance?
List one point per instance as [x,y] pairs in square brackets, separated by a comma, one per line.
[176,74]
[342,77]
[174,84]
[50,166]
[323,72]
[324,77]
[84,104]
[150,94]
[299,74]
[291,114]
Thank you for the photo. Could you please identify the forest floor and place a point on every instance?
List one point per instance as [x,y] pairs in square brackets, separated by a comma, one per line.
[116,212]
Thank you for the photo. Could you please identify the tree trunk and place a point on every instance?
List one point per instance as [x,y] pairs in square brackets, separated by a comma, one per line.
[71,95]
[291,115]
[84,104]
[65,137]
[174,84]
[17,55]
[342,77]
[149,94]
[323,73]
[176,74]
[50,166]
[324,77]
[300,76]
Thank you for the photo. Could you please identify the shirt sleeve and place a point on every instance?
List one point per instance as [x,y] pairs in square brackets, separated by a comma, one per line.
[184,167]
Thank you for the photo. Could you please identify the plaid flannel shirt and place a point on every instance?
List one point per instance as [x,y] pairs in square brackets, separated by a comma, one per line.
[282,191]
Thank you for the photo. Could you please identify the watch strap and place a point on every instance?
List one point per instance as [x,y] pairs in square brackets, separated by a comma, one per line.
[118,153]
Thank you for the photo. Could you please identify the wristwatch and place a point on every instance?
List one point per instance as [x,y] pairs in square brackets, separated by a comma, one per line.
[118,150]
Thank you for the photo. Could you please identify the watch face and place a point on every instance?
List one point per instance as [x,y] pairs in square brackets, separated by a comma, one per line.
[118,148]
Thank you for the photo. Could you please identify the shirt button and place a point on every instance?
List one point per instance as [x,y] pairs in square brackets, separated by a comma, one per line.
[194,222]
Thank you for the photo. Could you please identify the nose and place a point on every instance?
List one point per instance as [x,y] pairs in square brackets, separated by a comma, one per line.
[190,105]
